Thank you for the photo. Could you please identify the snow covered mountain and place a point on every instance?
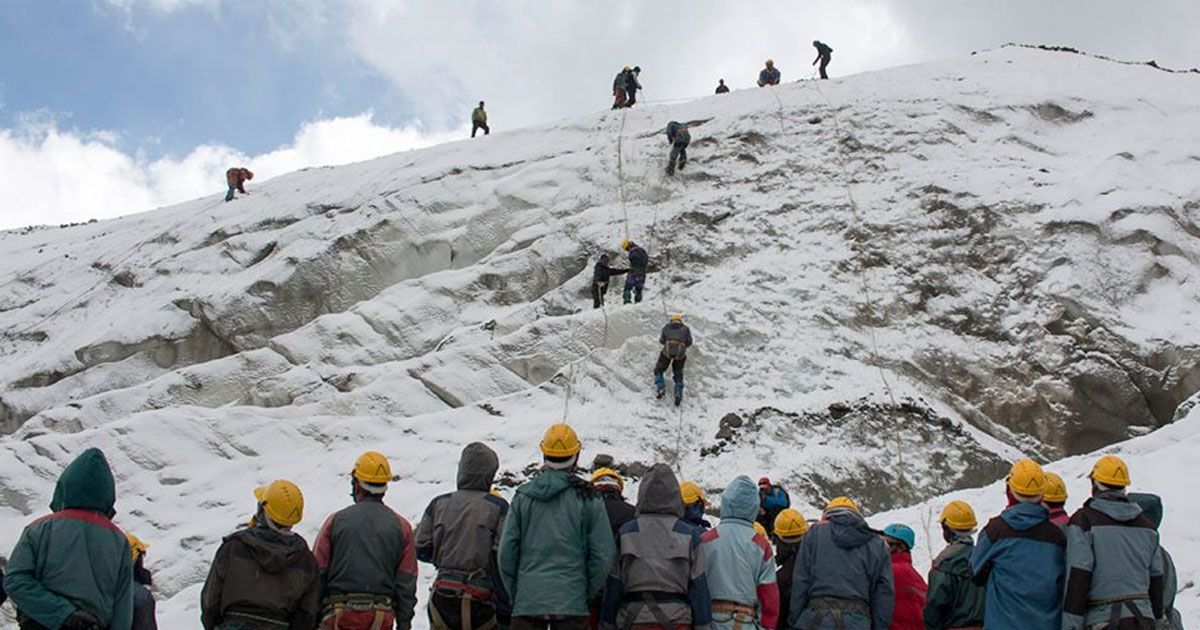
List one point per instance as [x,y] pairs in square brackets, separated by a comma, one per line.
[898,281]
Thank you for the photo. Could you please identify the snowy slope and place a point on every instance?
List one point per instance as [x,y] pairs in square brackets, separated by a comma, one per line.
[1019,253]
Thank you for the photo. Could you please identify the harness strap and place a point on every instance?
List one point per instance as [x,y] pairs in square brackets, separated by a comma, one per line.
[267,620]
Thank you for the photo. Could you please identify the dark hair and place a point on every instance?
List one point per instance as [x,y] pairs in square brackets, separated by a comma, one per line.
[481,103]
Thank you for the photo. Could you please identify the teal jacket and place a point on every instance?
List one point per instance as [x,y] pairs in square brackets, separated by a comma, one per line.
[75,558]
[954,600]
[557,548]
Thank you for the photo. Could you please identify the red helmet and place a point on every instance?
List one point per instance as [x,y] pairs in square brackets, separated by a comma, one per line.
[764,481]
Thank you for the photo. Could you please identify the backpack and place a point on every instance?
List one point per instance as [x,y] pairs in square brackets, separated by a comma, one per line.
[674,348]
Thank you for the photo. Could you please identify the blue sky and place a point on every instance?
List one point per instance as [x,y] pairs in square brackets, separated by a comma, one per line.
[167,81]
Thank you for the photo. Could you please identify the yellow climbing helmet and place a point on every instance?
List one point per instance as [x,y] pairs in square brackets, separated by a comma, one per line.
[676,317]
[608,473]
[1056,489]
[842,503]
[560,441]
[759,529]
[626,244]
[283,502]
[1111,470]
[1027,478]
[790,524]
[372,467]
[136,546]
[691,493]
[959,515]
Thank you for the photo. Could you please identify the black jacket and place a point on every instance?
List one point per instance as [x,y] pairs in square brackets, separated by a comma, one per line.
[618,509]
[602,272]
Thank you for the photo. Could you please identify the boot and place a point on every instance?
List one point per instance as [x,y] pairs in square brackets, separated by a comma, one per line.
[678,399]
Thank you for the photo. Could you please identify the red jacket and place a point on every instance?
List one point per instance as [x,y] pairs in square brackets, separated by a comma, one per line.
[235,177]
[910,594]
[1059,516]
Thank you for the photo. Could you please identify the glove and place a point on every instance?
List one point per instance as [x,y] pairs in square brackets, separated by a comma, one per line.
[81,620]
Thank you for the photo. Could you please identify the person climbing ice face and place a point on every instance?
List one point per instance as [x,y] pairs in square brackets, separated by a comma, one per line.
[679,137]
[601,274]
[675,338]
[635,282]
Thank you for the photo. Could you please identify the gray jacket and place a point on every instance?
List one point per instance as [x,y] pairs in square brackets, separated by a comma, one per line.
[460,531]
[842,558]
[658,559]
[1114,562]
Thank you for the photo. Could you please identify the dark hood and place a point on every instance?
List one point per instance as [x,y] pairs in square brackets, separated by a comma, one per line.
[1025,516]
[86,484]
[273,551]
[1151,505]
[477,467]
[659,493]
[848,529]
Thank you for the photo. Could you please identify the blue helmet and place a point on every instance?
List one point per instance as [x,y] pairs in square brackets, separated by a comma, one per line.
[903,533]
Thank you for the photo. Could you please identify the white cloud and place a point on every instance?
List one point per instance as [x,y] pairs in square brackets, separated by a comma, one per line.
[59,176]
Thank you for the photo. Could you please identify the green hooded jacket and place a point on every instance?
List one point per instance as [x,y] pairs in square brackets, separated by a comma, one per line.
[75,558]
[556,549]
[954,600]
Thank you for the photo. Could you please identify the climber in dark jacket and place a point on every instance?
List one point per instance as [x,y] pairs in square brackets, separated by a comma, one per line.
[675,338]
[694,504]
[658,578]
[73,568]
[619,88]
[789,529]
[843,574]
[367,555]
[610,485]
[824,54]
[1152,507]
[769,75]
[601,274]
[143,599]
[632,86]
[721,87]
[265,576]
[954,600]
[635,282]
[459,534]
[679,137]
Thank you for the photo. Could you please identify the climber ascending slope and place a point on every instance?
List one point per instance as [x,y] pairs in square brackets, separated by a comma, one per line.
[601,274]
[675,338]
[769,75]
[236,178]
[679,137]
[824,54]
[635,282]
[618,88]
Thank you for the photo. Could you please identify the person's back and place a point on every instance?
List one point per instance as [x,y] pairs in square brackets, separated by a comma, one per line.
[458,534]
[619,510]
[953,599]
[264,576]
[658,578]
[676,338]
[1020,558]
[843,573]
[911,590]
[721,87]
[74,564]
[1116,567]
[639,260]
[556,547]
[740,563]
[1152,507]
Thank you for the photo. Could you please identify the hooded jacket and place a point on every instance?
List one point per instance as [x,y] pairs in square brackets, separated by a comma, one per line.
[1020,559]
[639,261]
[75,558]
[618,510]
[953,600]
[738,560]
[1112,554]
[842,558]
[911,592]
[1152,507]
[556,548]
[367,549]
[659,557]
[263,573]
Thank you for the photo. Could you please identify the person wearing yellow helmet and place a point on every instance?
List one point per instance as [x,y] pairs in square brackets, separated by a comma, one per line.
[1055,499]
[610,485]
[675,338]
[556,548]
[954,600]
[143,599]
[843,576]
[265,575]
[458,535]
[1112,552]
[789,528]
[1019,557]
[694,504]
[635,280]
[382,591]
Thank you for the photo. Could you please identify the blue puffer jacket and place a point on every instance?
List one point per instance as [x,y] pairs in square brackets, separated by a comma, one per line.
[1020,557]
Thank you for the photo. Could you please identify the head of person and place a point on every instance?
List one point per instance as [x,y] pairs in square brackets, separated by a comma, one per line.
[1026,482]
[1109,474]
[816,43]
[958,518]
[627,245]
[560,447]
[790,526]
[740,500]
[721,81]
[659,492]
[281,505]
[675,318]
[764,485]
[770,63]
[481,103]
[607,480]
[249,175]
[370,476]
[900,538]
[840,505]
[477,467]
[626,69]
[604,258]
[637,69]
[1151,505]
[86,484]
[694,501]
[1055,495]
